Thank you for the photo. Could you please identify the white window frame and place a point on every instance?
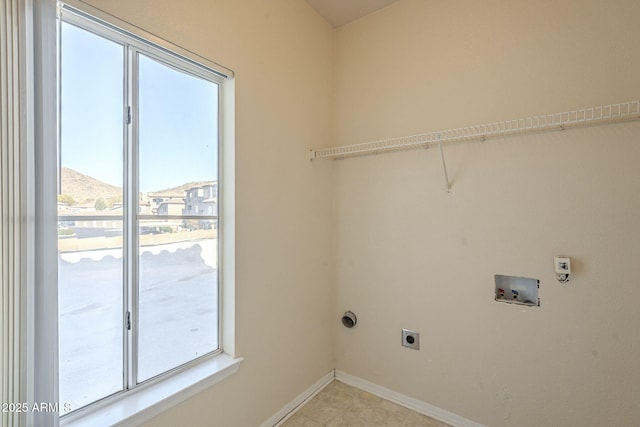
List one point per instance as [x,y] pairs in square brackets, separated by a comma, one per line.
[130,407]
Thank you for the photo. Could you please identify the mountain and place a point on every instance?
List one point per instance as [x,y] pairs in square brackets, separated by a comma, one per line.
[179,190]
[85,189]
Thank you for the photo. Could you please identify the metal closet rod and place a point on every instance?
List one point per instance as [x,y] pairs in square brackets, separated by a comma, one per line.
[589,116]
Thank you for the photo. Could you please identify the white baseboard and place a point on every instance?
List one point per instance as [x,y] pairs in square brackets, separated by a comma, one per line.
[292,407]
[406,401]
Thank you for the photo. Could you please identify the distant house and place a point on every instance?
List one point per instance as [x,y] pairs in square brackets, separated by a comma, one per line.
[170,207]
[201,200]
[151,204]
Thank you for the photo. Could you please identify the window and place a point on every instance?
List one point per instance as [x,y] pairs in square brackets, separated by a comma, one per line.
[138,269]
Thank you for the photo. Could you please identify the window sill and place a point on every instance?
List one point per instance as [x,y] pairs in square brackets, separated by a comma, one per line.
[138,406]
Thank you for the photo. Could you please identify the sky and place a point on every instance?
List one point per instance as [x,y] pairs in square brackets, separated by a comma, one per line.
[177,117]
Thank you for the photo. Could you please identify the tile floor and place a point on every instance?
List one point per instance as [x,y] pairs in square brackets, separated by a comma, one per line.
[340,405]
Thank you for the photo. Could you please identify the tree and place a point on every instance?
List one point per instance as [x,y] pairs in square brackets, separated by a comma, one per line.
[100,204]
[113,200]
[66,198]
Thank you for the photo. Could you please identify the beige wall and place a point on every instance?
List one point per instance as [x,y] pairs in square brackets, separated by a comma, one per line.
[409,255]
[281,51]
[422,65]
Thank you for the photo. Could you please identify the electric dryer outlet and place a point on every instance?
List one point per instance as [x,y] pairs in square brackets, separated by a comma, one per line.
[411,339]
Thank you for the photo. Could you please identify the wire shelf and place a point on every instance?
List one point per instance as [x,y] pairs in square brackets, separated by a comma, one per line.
[611,113]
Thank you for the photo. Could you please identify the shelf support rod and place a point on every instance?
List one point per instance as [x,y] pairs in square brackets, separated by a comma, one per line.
[444,167]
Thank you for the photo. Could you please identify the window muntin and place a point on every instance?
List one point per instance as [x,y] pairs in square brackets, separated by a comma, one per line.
[152,261]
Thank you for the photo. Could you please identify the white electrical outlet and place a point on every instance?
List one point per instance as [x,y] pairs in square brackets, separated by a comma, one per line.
[562,267]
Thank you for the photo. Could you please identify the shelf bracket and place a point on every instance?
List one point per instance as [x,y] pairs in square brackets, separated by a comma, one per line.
[444,168]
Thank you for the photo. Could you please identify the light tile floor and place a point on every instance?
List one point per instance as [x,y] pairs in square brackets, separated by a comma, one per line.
[340,405]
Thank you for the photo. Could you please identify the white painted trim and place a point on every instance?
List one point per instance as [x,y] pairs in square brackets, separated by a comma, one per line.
[406,401]
[227,217]
[294,406]
[42,316]
[138,406]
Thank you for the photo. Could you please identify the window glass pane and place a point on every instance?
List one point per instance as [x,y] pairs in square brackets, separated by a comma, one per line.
[90,258]
[178,140]
[92,115]
[90,311]
[178,278]
[178,173]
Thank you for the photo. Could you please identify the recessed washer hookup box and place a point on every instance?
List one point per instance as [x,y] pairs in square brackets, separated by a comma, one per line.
[517,290]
